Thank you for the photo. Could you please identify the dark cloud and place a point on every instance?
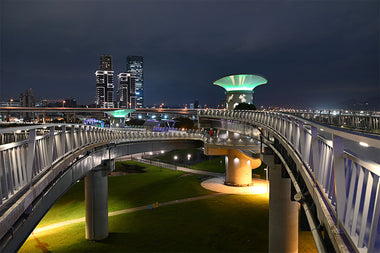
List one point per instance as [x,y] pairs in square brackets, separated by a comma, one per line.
[311,52]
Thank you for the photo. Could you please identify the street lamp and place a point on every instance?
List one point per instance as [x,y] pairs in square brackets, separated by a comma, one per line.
[175,161]
[188,158]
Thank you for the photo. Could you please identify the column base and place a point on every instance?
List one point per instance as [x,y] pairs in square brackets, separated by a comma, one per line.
[237,185]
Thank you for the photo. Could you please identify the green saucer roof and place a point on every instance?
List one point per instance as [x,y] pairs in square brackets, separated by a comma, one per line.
[120,113]
[240,82]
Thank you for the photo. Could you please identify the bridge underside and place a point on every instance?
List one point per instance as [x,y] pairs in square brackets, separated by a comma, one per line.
[22,221]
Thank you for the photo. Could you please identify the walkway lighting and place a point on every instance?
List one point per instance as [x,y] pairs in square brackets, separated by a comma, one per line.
[364,144]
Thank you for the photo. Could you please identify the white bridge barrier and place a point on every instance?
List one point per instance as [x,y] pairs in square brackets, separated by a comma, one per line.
[349,183]
[22,163]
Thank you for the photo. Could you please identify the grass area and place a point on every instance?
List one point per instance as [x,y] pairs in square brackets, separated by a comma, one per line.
[126,167]
[196,154]
[203,162]
[223,224]
[216,164]
[157,184]
[227,223]
[198,161]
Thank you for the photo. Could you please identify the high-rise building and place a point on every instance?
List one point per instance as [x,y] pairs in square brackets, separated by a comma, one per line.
[135,65]
[127,90]
[106,62]
[104,83]
[27,100]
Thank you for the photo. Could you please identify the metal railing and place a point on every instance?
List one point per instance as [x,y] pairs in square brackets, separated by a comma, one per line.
[39,148]
[350,184]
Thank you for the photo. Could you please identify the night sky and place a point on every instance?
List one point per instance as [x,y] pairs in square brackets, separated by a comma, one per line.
[314,53]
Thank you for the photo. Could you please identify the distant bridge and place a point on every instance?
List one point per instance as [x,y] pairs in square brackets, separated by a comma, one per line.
[338,189]
[42,112]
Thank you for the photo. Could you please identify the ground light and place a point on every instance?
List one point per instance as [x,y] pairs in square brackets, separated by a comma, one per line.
[259,186]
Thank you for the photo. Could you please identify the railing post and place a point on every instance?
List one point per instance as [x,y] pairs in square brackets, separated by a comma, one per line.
[300,140]
[72,143]
[30,155]
[375,221]
[289,126]
[293,132]
[315,149]
[51,145]
[340,177]
[62,137]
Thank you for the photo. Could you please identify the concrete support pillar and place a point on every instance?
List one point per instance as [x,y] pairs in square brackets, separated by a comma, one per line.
[96,197]
[44,117]
[239,168]
[283,213]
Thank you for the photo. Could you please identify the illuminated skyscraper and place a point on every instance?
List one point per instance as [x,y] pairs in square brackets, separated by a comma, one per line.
[104,83]
[127,90]
[135,65]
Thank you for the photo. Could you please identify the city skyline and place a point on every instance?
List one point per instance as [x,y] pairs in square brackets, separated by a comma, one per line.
[313,54]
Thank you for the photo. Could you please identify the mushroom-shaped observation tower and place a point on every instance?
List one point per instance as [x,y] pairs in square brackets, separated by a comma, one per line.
[239,88]
[118,117]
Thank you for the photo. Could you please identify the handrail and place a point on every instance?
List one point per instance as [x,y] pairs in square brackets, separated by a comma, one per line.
[340,174]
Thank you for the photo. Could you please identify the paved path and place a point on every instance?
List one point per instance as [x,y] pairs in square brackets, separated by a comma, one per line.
[129,210]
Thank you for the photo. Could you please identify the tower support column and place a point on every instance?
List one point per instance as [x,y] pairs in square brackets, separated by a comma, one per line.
[238,169]
[96,198]
[283,213]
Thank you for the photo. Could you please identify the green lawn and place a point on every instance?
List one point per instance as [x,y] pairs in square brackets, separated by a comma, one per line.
[156,184]
[224,223]
[212,163]
[182,156]
[216,164]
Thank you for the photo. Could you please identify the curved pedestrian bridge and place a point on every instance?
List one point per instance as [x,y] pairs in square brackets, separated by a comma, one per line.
[335,173]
